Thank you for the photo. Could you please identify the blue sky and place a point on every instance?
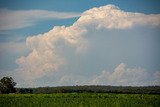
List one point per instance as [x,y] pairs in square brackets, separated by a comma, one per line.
[71,5]
[95,51]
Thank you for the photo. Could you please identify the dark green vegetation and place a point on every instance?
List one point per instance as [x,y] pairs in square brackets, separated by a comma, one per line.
[79,100]
[78,96]
[7,85]
[92,89]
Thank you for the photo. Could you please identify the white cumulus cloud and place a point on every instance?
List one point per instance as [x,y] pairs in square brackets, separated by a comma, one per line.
[123,76]
[111,17]
[45,55]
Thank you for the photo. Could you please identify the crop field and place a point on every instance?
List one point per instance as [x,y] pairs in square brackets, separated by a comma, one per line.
[79,100]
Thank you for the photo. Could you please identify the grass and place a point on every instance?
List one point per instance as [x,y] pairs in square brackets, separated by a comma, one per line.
[79,100]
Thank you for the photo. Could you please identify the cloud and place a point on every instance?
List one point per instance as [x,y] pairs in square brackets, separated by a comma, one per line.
[44,56]
[124,76]
[111,17]
[16,19]
[49,50]
[156,78]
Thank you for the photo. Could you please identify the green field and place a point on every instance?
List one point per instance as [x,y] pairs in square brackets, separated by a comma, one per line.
[79,100]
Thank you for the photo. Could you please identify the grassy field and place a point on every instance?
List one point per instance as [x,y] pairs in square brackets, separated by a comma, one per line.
[79,100]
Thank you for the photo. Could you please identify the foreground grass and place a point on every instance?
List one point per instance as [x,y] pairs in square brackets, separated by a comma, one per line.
[79,100]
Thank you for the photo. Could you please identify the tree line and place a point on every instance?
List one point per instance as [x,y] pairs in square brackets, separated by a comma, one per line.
[92,89]
[7,85]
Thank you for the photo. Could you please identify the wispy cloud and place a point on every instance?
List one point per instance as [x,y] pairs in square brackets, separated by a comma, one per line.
[16,19]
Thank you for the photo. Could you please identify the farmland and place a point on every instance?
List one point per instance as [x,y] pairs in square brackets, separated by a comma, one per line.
[79,100]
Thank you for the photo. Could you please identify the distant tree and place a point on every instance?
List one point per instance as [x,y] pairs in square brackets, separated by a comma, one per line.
[7,85]
[25,90]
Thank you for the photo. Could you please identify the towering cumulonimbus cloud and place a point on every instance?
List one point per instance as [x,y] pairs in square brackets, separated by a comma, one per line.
[111,17]
[44,56]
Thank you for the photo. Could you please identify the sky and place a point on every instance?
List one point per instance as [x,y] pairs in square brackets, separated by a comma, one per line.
[85,42]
